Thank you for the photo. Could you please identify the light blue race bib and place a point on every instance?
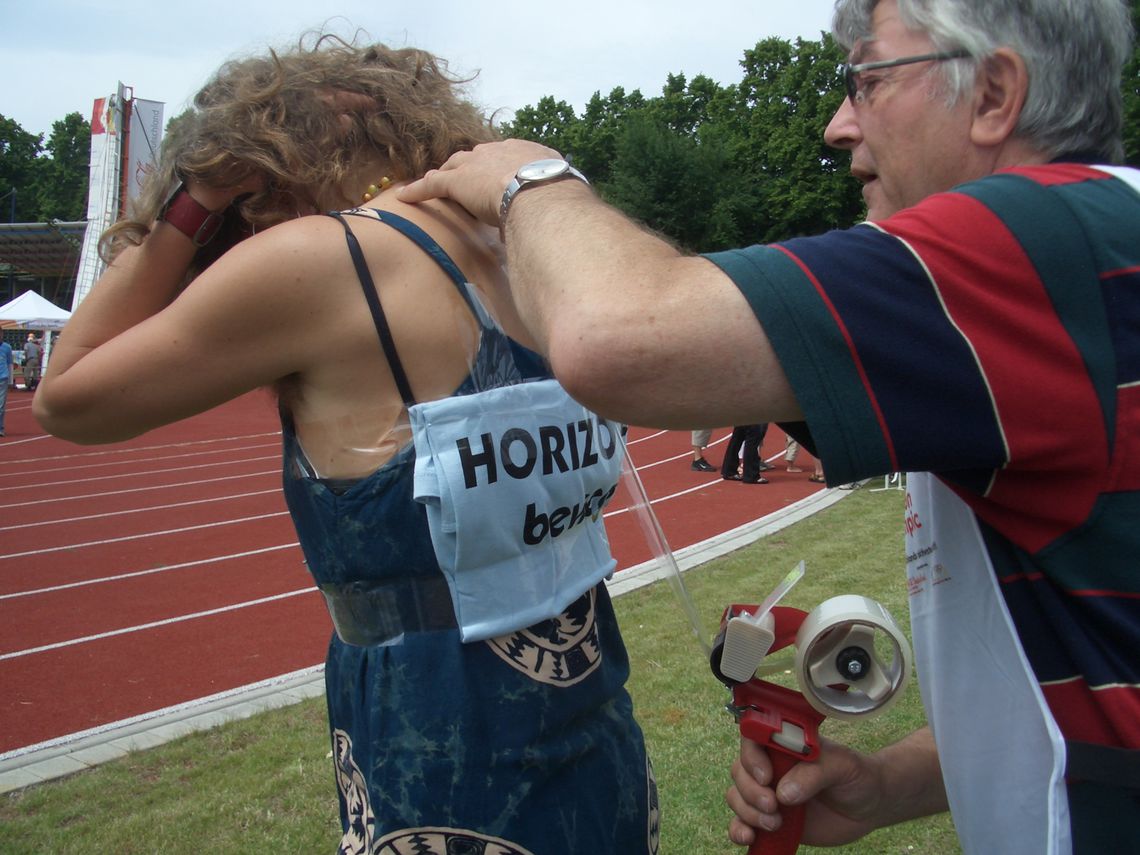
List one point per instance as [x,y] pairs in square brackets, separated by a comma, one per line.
[514,480]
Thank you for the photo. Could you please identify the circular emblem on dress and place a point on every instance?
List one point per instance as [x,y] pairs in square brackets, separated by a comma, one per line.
[444,841]
[560,651]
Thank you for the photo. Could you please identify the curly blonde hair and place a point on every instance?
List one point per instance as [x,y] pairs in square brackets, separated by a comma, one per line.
[300,119]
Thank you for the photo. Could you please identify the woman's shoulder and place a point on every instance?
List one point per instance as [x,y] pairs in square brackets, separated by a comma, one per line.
[312,249]
[458,233]
[381,232]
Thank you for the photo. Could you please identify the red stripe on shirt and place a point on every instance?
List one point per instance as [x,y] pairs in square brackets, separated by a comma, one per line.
[1013,578]
[1109,716]
[1124,271]
[1124,473]
[1054,174]
[1055,435]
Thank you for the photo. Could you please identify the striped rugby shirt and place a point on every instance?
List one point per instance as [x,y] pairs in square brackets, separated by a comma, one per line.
[991,336]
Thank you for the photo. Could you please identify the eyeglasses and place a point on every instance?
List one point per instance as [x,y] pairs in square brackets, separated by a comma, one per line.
[855,92]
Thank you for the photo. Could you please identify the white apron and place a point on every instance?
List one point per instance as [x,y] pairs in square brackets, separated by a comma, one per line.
[1002,753]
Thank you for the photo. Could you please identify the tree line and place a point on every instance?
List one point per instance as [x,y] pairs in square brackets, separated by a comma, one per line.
[43,181]
[710,166]
[713,167]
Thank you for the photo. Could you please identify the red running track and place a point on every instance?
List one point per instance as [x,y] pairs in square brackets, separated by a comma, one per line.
[150,573]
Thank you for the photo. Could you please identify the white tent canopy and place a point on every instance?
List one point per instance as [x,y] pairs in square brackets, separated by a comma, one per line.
[30,311]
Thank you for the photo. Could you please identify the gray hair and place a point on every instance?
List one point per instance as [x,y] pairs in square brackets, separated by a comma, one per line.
[1074,52]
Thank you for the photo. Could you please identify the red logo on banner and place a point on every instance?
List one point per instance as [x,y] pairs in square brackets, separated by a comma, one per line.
[97,126]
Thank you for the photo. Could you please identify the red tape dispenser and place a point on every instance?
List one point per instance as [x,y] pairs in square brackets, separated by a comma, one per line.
[851,661]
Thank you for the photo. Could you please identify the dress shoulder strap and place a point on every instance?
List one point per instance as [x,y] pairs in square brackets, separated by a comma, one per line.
[434,251]
[379,319]
[429,245]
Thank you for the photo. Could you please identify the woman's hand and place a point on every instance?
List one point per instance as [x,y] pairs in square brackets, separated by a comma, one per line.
[218,198]
[476,179]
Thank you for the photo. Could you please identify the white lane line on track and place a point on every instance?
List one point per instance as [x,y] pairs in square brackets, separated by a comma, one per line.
[659,499]
[647,438]
[236,606]
[83,497]
[217,559]
[715,480]
[148,508]
[114,452]
[165,568]
[150,472]
[144,535]
[15,654]
[643,467]
[10,442]
[139,461]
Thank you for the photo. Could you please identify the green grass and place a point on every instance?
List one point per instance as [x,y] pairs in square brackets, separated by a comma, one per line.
[265,784]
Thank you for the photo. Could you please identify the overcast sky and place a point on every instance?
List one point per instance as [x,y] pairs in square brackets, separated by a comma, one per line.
[58,57]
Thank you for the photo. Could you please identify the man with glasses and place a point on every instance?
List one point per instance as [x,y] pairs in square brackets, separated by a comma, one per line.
[857,88]
[1003,252]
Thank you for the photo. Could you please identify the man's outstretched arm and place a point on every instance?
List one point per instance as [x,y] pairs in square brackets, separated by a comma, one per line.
[633,328]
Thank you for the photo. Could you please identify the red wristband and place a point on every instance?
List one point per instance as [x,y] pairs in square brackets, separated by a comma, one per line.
[188,216]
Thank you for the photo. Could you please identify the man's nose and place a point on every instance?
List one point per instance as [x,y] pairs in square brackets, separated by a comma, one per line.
[843,129]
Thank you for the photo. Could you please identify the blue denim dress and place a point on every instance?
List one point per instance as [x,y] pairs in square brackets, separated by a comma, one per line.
[524,743]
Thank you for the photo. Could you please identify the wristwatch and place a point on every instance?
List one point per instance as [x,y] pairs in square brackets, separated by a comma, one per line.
[529,174]
[197,222]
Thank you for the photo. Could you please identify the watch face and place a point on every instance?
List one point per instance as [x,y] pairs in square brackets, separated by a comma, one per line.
[541,170]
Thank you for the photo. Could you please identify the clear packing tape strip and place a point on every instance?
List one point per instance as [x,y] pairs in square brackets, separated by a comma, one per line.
[662,554]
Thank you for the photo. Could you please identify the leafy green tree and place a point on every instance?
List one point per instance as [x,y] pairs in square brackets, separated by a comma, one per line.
[1131,91]
[50,182]
[19,157]
[592,142]
[61,187]
[549,122]
[680,186]
[784,102]
[713,166]
[684,107]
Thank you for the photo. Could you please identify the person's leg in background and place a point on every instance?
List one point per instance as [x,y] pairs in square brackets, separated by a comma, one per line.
[791,450]
[752,436]
[3,402]
[700,441]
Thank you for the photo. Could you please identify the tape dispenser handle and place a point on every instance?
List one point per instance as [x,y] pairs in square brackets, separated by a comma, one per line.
[785,840]
[782,722]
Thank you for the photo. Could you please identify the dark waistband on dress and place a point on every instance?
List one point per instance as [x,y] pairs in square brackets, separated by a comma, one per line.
[366,613]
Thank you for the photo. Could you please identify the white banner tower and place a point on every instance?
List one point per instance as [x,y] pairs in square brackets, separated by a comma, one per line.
[125,136]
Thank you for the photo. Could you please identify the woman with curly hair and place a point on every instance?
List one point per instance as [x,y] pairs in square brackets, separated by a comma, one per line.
[445,490]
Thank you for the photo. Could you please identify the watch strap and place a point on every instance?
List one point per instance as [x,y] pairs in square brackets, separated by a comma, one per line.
[516,184]
[190,217]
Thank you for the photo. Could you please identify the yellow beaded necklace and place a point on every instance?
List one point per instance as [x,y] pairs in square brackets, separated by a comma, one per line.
[374,190]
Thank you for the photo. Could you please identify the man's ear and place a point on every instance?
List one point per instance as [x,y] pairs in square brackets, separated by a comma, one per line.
[999,97]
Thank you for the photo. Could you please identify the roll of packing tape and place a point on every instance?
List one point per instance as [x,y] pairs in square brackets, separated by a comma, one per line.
[852,660]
